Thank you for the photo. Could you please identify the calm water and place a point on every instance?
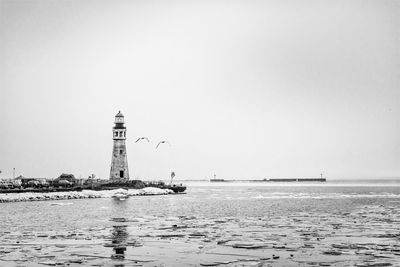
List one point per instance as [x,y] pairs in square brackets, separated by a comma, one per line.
[164,230]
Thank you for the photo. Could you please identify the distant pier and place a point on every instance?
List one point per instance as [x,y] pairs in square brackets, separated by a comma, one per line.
[274,180]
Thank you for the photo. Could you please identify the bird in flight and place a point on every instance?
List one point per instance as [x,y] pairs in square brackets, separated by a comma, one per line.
[142,138]
[162,142]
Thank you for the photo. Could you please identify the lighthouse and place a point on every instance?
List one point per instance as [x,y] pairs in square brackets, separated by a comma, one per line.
[119,161]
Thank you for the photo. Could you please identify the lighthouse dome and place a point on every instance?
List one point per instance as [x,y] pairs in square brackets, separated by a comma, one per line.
[119,119]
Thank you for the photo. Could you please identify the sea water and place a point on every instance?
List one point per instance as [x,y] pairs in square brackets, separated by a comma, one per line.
[227,224]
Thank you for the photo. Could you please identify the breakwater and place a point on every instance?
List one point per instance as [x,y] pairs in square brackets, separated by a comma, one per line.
[274,180]
[36,196]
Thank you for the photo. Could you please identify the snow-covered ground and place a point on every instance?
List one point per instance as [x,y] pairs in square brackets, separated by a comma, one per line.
[16,197]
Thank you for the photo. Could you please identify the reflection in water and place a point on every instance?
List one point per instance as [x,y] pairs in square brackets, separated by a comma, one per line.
[119,232]
[119,239]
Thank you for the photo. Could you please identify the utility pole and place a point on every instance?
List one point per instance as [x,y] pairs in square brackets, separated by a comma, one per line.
[13,173]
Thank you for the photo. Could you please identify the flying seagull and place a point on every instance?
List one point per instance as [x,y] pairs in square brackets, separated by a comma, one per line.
[162,142]
[142,138]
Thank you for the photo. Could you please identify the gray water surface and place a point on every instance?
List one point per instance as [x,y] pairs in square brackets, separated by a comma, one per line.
[234,225]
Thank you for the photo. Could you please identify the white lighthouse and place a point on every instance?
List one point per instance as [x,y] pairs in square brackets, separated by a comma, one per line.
[119,161]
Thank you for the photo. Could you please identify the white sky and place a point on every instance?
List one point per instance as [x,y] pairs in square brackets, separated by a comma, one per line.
[243,89]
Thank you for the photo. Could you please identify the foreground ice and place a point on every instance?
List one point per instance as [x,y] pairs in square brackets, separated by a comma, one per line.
[307,228]
[366,237]
[17,197]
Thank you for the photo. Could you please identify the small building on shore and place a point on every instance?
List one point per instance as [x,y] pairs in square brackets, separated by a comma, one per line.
[66,178]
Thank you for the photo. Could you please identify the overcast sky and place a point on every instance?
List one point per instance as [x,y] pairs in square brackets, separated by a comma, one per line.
[243,89]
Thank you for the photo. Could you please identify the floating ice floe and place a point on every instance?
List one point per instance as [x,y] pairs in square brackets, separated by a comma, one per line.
[17,197]
[120,193]
[61,204]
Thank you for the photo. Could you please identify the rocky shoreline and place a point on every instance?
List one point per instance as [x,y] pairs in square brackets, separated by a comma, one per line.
[84,194]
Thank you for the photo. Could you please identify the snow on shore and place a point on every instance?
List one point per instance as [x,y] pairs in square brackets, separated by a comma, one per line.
[17,197]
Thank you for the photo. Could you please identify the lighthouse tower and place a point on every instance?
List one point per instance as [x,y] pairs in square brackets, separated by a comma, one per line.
[119,162]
